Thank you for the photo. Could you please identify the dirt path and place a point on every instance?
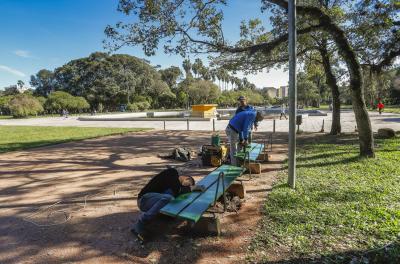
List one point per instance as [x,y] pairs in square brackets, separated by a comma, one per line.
[91,186]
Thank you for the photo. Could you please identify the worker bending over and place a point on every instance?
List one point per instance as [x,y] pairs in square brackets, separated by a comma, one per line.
[158,192]
[244,106]
[238,130]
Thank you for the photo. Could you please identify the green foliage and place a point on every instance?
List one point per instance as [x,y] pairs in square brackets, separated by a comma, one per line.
[201,91]
[43,81]
[307,90]
[10,90]
[170,76]
[109,80]
[58,101]
[24,105]
[132,107]
[4,104]
[344,207]
[23,137]
[41,99]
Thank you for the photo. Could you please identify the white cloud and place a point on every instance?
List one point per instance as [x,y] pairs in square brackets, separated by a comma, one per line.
[23,53]
[12,71]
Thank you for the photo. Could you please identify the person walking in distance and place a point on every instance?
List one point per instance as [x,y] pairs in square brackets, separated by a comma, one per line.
[283,112]
[380,106]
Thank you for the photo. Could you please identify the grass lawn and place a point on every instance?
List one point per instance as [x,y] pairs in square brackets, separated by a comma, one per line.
[23,137]
[392,109]
[326,107]
[5,117]
[344,210]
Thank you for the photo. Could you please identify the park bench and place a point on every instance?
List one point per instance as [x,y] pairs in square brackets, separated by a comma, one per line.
[252,155]
[191,206]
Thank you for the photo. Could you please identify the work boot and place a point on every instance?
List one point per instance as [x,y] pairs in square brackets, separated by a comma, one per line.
[139,231]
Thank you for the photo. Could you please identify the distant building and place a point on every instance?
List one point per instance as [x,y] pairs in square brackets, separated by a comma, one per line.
[283,92]
[22,89]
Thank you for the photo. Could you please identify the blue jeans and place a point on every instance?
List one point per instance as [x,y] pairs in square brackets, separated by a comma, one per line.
[150,205]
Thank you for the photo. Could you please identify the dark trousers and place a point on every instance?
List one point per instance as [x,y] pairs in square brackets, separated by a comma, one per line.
[150,205]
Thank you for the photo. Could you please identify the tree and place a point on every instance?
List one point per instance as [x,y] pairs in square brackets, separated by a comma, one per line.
[43,81]
[20,84]
[11,90]
[201,91]
[5,104]
[197,67]
[170,76]
[102,79]
[307,90]
[196,26]
[58,101]
[187,66]
[24,105]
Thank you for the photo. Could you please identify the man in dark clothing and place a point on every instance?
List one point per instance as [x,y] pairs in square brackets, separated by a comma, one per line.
[158,192]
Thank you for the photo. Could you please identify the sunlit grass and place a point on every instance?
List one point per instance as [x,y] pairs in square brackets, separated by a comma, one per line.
[343,208]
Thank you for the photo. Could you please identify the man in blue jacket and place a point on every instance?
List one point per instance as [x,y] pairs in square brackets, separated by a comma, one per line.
[238,130]
[243,106]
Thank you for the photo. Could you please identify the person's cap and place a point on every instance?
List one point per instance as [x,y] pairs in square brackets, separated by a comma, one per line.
[241,98]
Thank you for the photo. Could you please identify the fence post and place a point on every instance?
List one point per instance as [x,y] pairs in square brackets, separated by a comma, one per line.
[213,124]
[273,130]
[323,126]
[187,123]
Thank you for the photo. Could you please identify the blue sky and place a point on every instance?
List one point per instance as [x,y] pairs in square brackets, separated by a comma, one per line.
[38,34]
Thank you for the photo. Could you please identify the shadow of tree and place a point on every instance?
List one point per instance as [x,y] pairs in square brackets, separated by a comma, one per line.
[85,173]
[388,254]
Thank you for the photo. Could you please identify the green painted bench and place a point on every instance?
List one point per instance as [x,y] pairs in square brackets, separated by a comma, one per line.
[253,150]
[191,206]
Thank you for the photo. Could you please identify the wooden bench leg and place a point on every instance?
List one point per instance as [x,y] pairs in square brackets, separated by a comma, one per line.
[253,167]
[208,225]
[237,189]
[264,156]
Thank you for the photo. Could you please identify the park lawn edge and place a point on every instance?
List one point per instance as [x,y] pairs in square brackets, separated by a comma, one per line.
[296,227]
[34,144]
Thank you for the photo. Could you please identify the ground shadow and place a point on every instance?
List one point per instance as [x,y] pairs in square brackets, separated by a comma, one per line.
[86,174]
[387,254]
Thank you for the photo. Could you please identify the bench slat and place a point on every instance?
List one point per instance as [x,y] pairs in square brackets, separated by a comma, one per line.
[179,206]
[255,149]
[195,210]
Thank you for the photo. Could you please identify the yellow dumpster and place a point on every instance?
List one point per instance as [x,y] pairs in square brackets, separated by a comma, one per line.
[204,110]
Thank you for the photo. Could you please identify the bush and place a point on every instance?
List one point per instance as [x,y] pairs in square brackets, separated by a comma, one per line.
[138,106]
[143,105]
[57,101]
[25,105]
[132,107]
[4,104]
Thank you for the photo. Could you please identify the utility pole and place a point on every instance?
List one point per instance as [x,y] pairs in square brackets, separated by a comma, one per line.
[292,93]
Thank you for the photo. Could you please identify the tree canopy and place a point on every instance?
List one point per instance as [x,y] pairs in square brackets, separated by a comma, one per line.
[195,26]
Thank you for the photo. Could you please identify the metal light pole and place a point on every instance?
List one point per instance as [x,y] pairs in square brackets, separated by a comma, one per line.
[292,93]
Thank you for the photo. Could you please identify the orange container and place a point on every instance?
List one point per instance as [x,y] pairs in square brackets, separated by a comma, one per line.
[204,107]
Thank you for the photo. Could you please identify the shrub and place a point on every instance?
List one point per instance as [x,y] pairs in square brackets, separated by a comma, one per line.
[57,101]
[143,105]
[132,107]
[25,105]
[4,104]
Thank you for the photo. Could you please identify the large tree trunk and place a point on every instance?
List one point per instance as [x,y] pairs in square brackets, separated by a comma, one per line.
[346,51]
[331,81]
